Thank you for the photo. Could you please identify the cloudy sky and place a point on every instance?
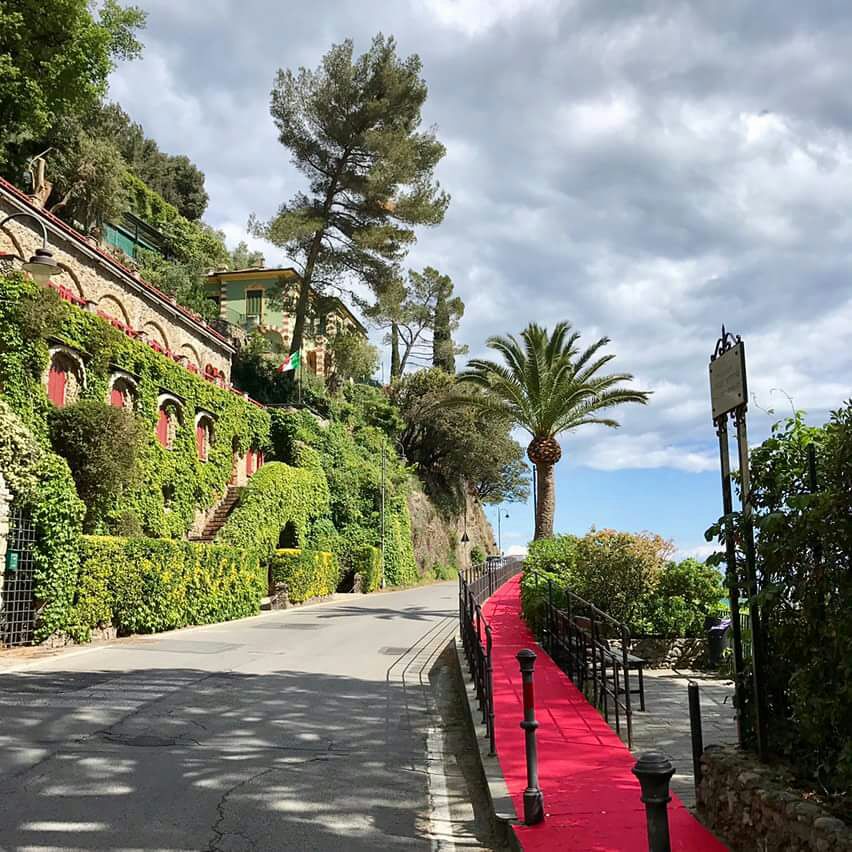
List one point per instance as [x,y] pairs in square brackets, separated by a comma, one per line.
[646,170]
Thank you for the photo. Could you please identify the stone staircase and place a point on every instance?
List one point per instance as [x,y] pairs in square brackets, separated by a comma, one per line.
[220,515]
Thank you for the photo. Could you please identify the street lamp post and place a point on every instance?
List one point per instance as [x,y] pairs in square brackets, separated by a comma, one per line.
[42,265]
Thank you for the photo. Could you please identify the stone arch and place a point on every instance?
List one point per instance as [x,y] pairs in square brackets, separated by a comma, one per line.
[169,419]
[155,332]
[112,307]
[122,391]
[65,376]
[204,434]
[16,244]
[191,354]
[72,280]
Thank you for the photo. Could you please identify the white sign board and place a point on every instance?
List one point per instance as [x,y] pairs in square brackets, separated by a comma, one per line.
[728,381]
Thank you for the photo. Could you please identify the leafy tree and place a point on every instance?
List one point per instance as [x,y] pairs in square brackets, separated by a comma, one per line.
[100,444]
[88,182]
[448,312]
[55,60]
[547,386]
[410,311]
[353,129]
[242,257]
[352,358]
[455,448]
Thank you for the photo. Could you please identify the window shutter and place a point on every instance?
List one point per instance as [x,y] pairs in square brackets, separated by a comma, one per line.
[163,428]
[57,381]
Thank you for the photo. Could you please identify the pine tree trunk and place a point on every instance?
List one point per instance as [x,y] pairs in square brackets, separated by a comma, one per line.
[396,367]
[546,498]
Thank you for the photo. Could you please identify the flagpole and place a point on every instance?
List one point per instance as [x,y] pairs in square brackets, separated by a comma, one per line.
[300,376]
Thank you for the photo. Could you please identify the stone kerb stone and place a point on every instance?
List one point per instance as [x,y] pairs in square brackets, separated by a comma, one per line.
[753,806]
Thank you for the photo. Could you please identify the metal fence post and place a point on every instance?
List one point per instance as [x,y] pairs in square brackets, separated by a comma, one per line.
[695,730]
[489,681]
[654,772]
[533,797]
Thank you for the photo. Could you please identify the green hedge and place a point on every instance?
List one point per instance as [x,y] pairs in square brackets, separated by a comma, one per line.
[367,561]
[275,496]
[307,573]
[349,451]
[143,585]
[41,484]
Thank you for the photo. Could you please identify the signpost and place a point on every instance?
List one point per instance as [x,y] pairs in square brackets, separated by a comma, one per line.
[729,397]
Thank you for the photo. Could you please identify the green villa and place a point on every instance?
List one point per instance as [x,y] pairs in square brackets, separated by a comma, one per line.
[257,299]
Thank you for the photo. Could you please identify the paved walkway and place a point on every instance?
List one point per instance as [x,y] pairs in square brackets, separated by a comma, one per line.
[665,725]
[591,797]
[311,728]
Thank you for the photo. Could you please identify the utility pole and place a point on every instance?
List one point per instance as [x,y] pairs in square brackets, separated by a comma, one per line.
[383,512]
[499,531]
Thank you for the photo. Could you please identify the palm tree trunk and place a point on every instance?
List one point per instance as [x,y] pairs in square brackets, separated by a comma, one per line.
[546,496]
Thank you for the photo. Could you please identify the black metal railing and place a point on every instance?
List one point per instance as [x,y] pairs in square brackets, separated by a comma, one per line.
[593,649]
[476,585]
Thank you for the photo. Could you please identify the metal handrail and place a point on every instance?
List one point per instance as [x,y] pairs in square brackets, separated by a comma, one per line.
[574,637]
[476,585]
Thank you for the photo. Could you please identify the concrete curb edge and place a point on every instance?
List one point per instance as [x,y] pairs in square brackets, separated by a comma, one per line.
[502,807]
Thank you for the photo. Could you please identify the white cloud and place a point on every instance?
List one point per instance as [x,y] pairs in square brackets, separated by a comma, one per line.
[516,550]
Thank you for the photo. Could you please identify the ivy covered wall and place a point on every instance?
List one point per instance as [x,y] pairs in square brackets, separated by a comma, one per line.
[170,484]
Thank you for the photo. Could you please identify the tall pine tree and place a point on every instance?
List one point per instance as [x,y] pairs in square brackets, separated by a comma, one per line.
[353,127]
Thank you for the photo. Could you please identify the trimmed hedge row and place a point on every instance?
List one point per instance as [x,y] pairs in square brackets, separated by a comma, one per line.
[307,573]
[145,585]
[368,564]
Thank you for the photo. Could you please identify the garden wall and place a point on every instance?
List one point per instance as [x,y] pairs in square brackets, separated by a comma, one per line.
[755,807]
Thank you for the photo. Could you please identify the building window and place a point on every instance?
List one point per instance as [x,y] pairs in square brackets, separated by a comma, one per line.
[168,420]
[64,378]
[122,393]
[312,361]
[254,303]
[203,435]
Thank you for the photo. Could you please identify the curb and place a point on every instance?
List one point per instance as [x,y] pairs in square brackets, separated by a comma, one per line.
[502,807]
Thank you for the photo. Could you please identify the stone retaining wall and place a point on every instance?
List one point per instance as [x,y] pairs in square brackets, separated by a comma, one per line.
[755,808]
[662,652]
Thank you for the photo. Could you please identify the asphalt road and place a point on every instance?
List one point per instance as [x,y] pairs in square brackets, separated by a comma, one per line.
[310,729]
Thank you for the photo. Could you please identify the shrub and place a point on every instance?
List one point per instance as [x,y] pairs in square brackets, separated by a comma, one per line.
[307,573]
[804,564]
[275,496]
[477,555]
[145,585]
[445,572]
[41,485]
[100,444]
[367,561]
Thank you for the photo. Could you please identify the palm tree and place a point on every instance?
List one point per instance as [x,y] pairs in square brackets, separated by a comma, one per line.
[547,386]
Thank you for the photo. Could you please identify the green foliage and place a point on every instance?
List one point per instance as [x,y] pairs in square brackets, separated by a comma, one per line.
[101,444]
[445,572]
[448,312]
[143,585]
[804,563]
[452,446]
[41,484]
[353,358]
[477,555]
[307,573]
[367,563]
[352,126]
[276,495]
[55,60]
[350,453]
[171,485]
[628,576]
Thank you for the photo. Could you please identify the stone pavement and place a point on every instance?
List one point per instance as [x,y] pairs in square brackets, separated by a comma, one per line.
[664,726]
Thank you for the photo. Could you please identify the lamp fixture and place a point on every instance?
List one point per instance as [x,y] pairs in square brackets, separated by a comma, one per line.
[42,265]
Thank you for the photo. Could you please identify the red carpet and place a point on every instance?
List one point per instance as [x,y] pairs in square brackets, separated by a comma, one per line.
[591,798]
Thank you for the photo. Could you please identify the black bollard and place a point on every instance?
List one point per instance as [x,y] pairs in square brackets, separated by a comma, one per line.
[533,797]
[654,772]
[695,730]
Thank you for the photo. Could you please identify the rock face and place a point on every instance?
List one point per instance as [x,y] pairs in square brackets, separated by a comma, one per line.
[437,539]
[754,806]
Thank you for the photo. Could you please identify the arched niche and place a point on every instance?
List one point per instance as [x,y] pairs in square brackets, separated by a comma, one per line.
[113,308]
[289,536]
[65,376]
[204,434]
[154,332]
[169,419]
[122,391]
[191,354]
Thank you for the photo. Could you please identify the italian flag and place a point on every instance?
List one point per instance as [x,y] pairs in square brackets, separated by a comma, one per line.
[291,362]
